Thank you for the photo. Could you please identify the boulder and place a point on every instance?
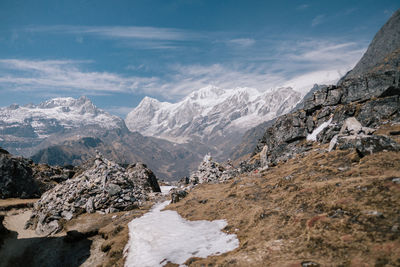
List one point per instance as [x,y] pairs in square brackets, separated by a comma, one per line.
[367,144]
[177,194]
[352,126]
[142,175]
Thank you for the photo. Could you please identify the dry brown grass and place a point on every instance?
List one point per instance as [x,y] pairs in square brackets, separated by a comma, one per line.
[319,207]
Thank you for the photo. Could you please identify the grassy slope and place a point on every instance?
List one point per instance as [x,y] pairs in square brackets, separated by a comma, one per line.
[330,208]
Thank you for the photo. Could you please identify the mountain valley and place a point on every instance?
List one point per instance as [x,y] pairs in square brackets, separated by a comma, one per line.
[312,180]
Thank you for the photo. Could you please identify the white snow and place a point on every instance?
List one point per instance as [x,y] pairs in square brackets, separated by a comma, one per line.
[159,237]
[64,112]
[219,110]
[313,136]
[166,188]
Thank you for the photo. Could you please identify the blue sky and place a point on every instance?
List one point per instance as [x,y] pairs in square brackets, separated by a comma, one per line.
[116,52]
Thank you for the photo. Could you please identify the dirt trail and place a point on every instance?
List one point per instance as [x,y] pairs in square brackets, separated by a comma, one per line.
[15,221]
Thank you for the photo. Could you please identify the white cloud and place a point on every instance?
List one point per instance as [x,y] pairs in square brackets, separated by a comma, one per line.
[120,32]
[135,36]
[302,7]
[119,110]
[244,42]
[317,20]
[56,75]
[298,64]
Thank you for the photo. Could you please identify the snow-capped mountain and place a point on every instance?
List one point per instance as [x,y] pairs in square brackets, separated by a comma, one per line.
[211,114]
[56,114]
[28,125]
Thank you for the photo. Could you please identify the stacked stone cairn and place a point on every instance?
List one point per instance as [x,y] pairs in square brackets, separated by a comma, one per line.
[105,187]
[210,171]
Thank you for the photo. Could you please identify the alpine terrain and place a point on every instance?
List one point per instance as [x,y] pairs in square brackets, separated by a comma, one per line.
[314,180]
[211,116]
[68,131]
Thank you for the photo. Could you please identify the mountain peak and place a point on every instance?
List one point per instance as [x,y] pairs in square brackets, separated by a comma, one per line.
[209,91]
[385,43]
[55,116]
[149,100]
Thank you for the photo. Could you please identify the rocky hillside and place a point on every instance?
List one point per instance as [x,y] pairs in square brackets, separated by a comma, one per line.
[251,137]
[372,98]
[103,186]
[168,160]
[310,203]
[319,209]
[211,115]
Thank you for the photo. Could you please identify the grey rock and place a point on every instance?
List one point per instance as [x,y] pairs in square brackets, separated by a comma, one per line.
[177,194]
[352,126]
[113,189]
[367,144]
[210,171]
[16,178]
[396,180]
[67,215]
[375,111]
[49,228]
[99,188]
[89,206]
[385,42]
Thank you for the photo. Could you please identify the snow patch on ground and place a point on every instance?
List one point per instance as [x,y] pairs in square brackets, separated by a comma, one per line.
[166,188]
[313,136]
[159,237]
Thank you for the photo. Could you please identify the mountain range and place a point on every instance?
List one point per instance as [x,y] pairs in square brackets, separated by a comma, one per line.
[171,138]
[211,116]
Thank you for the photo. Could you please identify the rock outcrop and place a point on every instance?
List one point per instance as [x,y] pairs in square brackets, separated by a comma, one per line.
[104,187]
[370,93]
[21,178]
[16,177]
[353,135]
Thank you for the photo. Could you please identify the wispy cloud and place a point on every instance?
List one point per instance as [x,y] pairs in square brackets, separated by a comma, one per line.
[119,110]
[139,37]
[243,42]
[317,20]
[298,64]
[302,7]
[120,32]
[56,75]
